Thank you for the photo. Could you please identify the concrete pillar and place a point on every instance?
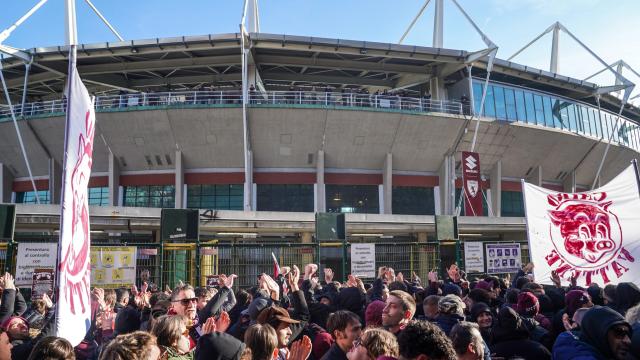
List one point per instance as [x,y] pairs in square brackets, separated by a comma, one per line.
[321,198]
[179,200]
[569,183]
[114,180]
[423,257]
[6,184]
[307,256]
[535,177]
[447,185]
[248,183]
[55,181]
[436,86]
[387,183]
[496,188]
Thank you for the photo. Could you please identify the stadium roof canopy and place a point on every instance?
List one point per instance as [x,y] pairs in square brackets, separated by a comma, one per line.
[190,62]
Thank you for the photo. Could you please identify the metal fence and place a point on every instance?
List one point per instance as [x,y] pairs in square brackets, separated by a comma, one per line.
[255,99]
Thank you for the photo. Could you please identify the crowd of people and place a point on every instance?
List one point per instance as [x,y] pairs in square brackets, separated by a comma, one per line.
[300,315]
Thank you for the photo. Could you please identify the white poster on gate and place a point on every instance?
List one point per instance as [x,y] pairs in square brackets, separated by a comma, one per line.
[593,236]
[33,256]
[363,260]
[473,257]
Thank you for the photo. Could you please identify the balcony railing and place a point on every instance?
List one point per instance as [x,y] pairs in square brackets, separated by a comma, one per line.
[256,99]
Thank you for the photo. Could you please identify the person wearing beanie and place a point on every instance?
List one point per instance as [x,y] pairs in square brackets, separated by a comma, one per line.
[450,312]
[17,329]
[511,338]
[481,315]
[451,289]
[604,335]
[528,307]
[573,300]
[627,296]
[373,314]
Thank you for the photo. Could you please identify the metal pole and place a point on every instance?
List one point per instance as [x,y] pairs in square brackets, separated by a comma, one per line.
[15,123]
[413,22]
[606,150]
[5,34]
[104,20]
[27,67]
[438,25]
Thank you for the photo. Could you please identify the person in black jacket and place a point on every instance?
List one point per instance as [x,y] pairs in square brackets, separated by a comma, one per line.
[511,338]
[13,303]
[345,328]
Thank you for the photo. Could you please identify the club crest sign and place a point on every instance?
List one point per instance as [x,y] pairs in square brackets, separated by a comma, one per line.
[592,236]
[471,183]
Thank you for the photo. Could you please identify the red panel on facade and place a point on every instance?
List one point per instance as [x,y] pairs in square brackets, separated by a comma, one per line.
[99,181]
[147,179]
[511,186]
[284,178]
[24,186]
[485,184]
[352,179]
[214,178]
[553,187]
[415,180]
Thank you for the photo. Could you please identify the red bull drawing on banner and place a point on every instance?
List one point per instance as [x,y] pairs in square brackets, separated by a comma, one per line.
[592,236]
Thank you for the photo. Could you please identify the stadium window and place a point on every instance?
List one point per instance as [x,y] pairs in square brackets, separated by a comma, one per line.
[29,197]
[217,197]
[489,103]
[548,111]
[557,118]
[564,115]
[407,200]
[99,196]
[531,112]
[285,197]
[153,196]
[510,102]
[571,115]
[537,102]
[595,120]
[477,96]
[498,95]
[585,121]
[352,199]
[520,107]
[512,204]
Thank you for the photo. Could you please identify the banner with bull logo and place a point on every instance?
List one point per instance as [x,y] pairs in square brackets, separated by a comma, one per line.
[73,310]
[471,183]
[593,236]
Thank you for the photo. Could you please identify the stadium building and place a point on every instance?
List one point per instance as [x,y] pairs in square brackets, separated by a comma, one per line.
[372,130]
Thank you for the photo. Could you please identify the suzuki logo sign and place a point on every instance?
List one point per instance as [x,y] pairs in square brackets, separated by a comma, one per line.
[471,162]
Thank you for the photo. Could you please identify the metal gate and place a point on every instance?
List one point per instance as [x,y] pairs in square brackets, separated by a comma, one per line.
[178,264]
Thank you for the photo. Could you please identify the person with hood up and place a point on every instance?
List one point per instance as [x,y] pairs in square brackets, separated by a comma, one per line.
[352,299]
[450,312]
[528,307]
[627,296]
[511,338]
[481,314]
[604,335]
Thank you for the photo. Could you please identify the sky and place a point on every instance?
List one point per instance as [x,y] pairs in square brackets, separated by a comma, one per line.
[608,27]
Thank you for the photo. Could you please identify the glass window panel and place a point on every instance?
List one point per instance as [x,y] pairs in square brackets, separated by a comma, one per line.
[571,116]
[597,124]
[352,198]
[510,102]
[520,106]
[501,109]
[531,111]
[586,123]
[537,102]
[548,112]
[413,200]
[557,117]
[512,204]
[289,197]
[489,103]
[218,197]
[477,95]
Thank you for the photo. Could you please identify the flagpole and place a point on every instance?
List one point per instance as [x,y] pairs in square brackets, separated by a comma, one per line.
[635,167]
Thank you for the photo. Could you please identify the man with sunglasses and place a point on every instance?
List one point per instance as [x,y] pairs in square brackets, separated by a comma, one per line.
[604,335]
[184,302]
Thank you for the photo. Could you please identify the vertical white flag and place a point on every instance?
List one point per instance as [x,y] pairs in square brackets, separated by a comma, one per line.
[73,311]
[593,236]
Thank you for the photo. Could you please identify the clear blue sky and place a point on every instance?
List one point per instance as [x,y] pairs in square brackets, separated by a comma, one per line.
[608,27]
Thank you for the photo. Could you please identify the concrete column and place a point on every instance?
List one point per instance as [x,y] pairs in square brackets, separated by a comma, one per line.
[446,183]
[55,181]
[569,183]
[436,87]
[321,198]
[496,188]
[423,257]
[114,180]
[6,184]
[535,177]
[387,183]
[248,183]
[179,183]
[307,257]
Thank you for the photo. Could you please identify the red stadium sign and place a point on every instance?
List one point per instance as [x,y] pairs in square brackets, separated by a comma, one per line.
[471,183]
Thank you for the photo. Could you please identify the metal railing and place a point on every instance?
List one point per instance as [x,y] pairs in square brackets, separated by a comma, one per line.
[255,98]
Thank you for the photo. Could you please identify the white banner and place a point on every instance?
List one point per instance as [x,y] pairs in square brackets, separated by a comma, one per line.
[33,256]
[473,257]
[503,258]
[73,311]
[593,235]
[363,260]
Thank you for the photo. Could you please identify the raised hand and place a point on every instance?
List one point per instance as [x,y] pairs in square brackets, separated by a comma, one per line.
[382,271]
[49,304]
[293,278]
[8,281]
[555,278]
[400,277]
[209,326]
[134,290]
[301,349]
[144,288]
[284,270]
[390,275]
[309,271]
[272,286]
[328,275]
[433,276]
[222,322]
